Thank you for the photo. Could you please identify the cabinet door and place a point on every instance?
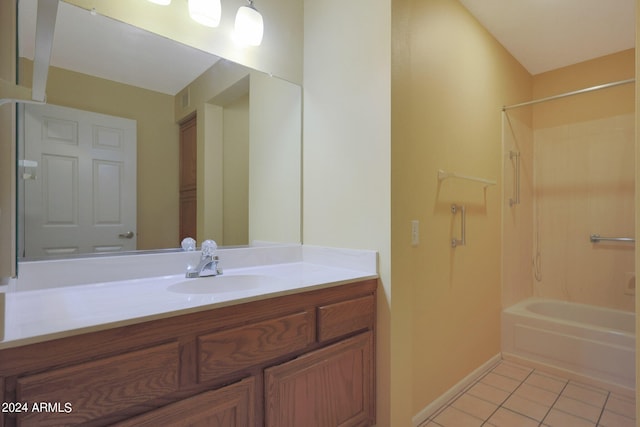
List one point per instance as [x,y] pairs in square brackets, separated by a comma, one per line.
[329,387]
[230,406]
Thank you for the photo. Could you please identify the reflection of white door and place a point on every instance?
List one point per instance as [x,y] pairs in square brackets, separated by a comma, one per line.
[83,197]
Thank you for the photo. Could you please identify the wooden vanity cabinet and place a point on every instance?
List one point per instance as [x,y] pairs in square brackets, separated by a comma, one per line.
[301,359]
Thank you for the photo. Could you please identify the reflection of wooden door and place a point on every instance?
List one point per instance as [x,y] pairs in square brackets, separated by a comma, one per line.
[82,198]
[188,178]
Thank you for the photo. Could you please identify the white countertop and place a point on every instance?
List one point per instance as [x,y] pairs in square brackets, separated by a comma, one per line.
[44,314]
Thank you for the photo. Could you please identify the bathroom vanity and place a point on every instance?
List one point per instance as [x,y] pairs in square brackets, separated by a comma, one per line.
[295,357]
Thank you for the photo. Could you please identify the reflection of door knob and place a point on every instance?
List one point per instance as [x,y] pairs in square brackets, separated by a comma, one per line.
[127,235]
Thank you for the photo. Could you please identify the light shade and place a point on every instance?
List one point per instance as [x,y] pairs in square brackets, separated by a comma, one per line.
[205,12]
[249,26]
[161,2]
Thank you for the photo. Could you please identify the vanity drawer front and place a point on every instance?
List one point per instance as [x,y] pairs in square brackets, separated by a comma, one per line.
[98,388]
[346,317]
[231,350]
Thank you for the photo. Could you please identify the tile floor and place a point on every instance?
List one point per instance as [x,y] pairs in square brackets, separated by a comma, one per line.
[511,395]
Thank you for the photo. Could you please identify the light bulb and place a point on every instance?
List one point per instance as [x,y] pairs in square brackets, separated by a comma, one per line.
[205,12]
[249,26]
[161,2]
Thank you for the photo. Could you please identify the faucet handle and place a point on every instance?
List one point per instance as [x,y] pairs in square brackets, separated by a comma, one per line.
[209,247]
[188,244]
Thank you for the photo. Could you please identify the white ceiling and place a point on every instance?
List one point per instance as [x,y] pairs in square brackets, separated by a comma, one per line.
[547,34]
[102,47]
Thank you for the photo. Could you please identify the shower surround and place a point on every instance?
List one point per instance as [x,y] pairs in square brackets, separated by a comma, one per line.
[577,178]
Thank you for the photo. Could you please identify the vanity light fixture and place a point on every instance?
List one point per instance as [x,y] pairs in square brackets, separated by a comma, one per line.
[206,12]
[249,26]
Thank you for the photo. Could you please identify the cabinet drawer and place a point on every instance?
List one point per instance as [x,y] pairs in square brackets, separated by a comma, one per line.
[339,319]
[101,387]
[227,351]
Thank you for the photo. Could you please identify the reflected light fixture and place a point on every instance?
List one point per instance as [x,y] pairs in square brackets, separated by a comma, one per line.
[249,26]
[206,12]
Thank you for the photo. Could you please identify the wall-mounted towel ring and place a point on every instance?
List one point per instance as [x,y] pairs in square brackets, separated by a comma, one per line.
[463,240]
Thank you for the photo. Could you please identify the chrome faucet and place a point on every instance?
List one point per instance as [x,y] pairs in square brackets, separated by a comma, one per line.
[208,265]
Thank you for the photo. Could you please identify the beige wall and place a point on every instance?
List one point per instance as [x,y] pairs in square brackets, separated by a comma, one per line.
[275,155]
[7,143]
[235,193]
[637,199]
[450,80]
[157,192]
[590,106]
[272,191]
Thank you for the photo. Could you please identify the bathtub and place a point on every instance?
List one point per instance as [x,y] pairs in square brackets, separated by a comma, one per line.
[587,341]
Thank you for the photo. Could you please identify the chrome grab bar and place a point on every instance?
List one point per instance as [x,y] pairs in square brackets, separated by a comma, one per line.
[595,238]
[463,240]
[515,200]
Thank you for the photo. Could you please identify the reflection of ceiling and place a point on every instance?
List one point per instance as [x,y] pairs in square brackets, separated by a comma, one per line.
[547,34]
[109,49]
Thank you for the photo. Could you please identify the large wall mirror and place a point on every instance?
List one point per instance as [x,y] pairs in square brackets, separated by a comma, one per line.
[140,133]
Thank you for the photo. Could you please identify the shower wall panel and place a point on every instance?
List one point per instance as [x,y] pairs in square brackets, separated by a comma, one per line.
[584,184]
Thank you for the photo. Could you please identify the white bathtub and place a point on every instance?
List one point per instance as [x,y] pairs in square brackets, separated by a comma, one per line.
[588,341]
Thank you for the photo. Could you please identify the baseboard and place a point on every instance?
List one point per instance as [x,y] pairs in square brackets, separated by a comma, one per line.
[431,408]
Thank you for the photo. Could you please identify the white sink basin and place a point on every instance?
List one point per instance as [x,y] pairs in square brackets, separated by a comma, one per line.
[220,284]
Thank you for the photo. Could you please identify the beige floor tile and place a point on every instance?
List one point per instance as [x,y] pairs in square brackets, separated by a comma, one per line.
[488,393]
[499,381]
[474,406]
[512,371]
[452,417]
[611,419]
[578,408]
[506,418]
[621,405]
[514,396]
[546,382]
[527,407]
[544,397]
[592,396]
[562,419]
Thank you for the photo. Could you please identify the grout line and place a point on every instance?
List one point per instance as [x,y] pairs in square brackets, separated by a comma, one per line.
[507,398]
[554,402]
[604,405]
[461,393]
